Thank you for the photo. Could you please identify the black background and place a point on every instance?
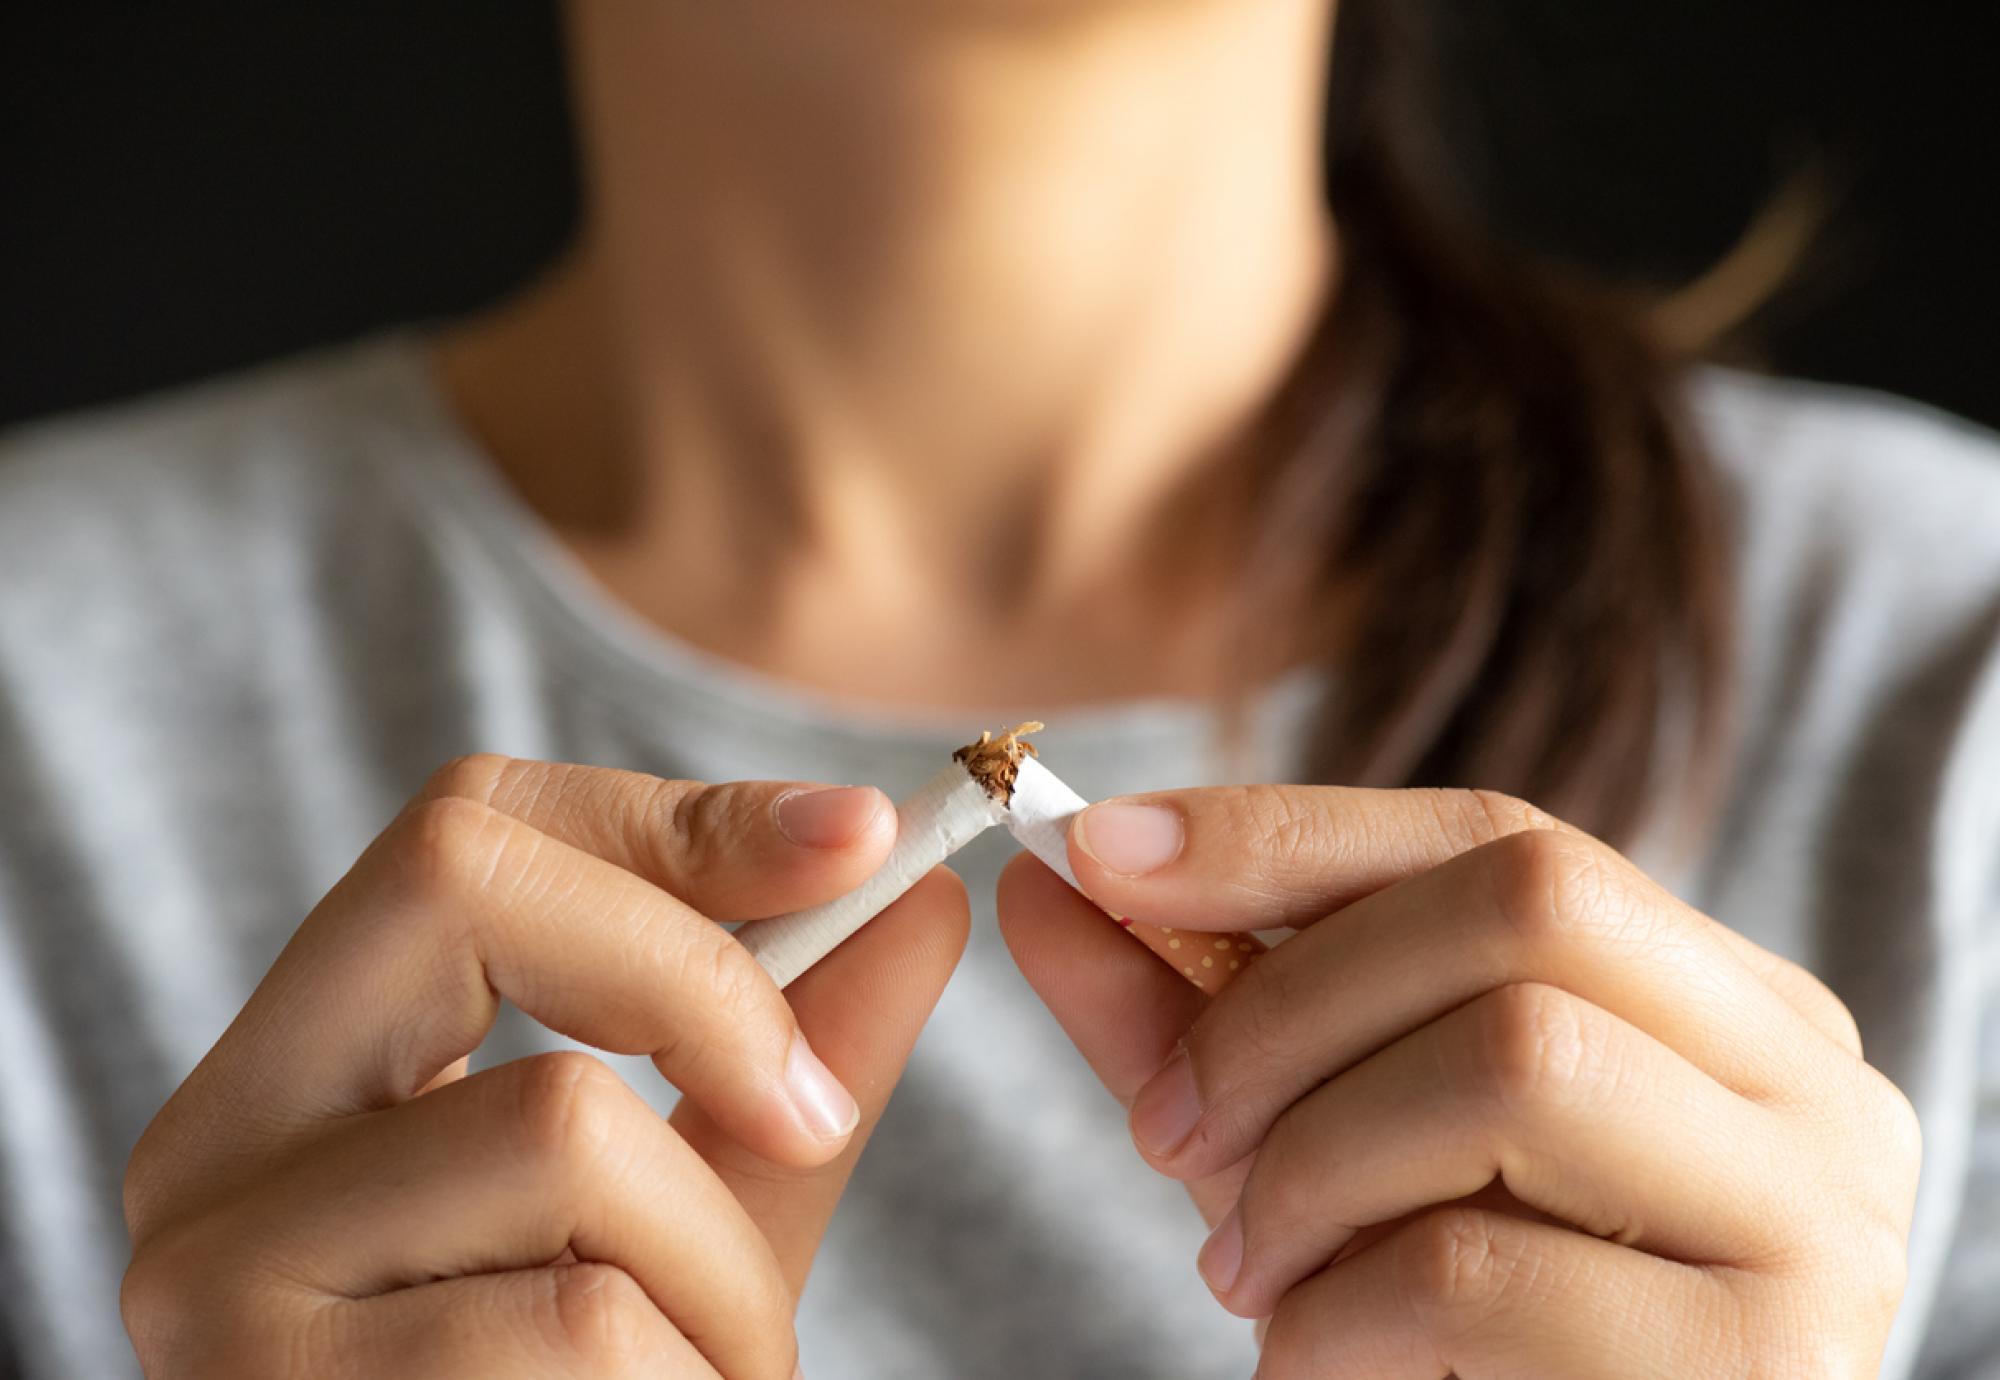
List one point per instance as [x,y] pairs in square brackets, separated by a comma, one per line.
[192,186]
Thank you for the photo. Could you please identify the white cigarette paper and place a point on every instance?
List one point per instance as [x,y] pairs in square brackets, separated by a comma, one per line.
[1038,817]
[950,811]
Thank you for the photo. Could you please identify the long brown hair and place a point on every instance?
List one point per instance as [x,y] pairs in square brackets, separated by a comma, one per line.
[1486,460]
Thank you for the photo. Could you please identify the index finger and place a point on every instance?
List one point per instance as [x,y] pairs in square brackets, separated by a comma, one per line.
[1271,857]
[739,851]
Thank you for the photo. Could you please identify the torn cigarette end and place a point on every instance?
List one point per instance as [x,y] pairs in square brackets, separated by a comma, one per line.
[995,763]
[993,781]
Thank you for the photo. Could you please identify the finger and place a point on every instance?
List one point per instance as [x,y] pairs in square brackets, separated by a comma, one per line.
[1798,988]
[1576,1113]
[1547,907]
[401,969]
[739,851]
[1268,857]
[1265,857]
[1460,1291]
[508,1169]
[586,1320]
[1123,1009]
[862,1008]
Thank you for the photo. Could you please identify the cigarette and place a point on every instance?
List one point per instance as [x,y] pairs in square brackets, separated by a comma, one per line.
[947,812]
[993,781]
[1039,817]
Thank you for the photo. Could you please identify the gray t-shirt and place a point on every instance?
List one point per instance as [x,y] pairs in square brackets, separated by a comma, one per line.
[238,627]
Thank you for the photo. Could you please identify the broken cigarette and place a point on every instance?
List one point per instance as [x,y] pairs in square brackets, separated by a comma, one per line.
[993,781]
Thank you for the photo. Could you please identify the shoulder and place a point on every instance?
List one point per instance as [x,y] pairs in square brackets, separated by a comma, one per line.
[179,470]
[156,549]
[1853,489]
[181,508]
[1868,537]
[1869,613]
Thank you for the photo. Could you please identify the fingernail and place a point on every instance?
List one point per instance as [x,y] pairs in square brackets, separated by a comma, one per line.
[1130,840]
[1166,1109]
[798,1373]
[827,1109]
[832,817]
[1221,1258]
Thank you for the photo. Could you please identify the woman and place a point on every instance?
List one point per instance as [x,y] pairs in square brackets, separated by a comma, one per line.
[916,367]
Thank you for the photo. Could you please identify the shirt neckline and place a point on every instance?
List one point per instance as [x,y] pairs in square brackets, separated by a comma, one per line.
[615,652]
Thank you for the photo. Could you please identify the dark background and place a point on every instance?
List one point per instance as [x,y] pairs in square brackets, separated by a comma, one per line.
[192,186]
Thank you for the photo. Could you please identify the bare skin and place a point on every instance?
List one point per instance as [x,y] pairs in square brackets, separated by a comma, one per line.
[905,347]
[903,354]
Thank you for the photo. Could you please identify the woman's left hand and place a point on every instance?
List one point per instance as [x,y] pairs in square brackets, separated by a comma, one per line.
[1503,1107]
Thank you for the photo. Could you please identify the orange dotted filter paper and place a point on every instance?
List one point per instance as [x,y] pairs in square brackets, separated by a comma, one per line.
[1210,961]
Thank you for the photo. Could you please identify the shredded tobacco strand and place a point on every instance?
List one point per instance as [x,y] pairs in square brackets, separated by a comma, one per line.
[995,762]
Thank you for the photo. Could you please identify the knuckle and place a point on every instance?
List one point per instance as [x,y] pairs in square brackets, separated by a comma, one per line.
[1550,888]
[599,1314]
[1882,1260]
[1804,990]
[1897,1121]
[471,777]
[1809,994]
[1846,1029]
[726,1003]
[140,1189]
[722,969]
[447,846]
[1860,1270]
[1472,819]
[768,1300]
[567,1105]
[1453,1268]
[171,1306]
[146,1303]
[684,843]
[1527,1044]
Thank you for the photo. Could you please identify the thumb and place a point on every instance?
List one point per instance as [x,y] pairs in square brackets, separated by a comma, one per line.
[861,1009]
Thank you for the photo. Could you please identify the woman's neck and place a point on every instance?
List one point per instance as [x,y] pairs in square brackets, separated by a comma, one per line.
[894,336]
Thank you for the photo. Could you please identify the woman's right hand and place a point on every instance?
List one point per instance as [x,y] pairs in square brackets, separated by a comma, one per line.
[329,1195]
